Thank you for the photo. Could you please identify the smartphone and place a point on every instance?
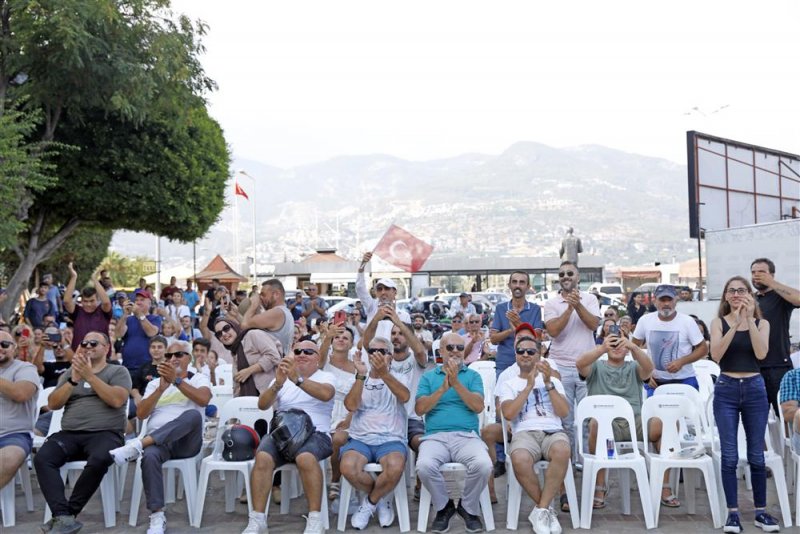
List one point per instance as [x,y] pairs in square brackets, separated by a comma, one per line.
[54,337]
[613,330]
[340,317]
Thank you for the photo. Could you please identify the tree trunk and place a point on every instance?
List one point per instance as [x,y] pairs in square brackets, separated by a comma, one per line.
[35,254]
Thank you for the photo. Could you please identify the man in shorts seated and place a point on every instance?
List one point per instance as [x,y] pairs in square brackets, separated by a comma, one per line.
[534,402]
[615,376]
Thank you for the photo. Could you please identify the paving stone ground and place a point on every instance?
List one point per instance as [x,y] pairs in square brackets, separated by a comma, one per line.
[216,520]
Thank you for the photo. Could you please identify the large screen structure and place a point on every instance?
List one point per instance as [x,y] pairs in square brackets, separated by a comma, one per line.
[734,184]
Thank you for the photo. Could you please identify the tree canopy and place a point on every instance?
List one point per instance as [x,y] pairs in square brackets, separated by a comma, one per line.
[120,92]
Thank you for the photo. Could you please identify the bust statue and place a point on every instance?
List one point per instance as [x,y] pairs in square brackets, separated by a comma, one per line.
[570,247]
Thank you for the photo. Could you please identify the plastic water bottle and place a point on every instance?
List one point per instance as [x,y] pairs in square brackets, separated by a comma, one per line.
[610,448]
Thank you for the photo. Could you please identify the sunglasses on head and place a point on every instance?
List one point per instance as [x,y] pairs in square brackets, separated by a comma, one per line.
[529,352]
[225,329]
[179,354]
[376,351]
[6,344]
[374,386]
[454,348]
[307,352]
[91,343]
[562,274]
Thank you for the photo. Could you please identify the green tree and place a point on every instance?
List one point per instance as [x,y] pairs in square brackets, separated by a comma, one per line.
[120,83]
[125,271]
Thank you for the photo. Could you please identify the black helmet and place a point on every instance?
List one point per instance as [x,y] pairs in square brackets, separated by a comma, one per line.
[290,429]
[240,443]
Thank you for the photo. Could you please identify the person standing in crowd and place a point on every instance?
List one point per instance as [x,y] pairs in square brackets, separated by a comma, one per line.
[94,395]
[420,332]
[135,328]
[192,299]
[474,338]
[54,296]
[636,308]
[256,355]
[571,318]
[509,315]
[314,305]
[777,301]
[176,309]
[38,307]
[19,389]
[167,291]
[385,293]
[272,314]
[92,314]
[450,397]
[739,340]
[462,306]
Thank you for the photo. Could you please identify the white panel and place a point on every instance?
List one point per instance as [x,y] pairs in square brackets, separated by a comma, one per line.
[790,188]
[740,176]
[766,182]
[786,207]
[711,169]
[767,161]
[713,215]
[745,155]
[769,209]
[742,210]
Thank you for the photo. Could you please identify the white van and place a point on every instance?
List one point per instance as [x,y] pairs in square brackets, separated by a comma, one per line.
[612,290]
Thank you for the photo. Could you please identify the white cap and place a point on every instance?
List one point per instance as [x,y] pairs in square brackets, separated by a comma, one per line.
[387,282]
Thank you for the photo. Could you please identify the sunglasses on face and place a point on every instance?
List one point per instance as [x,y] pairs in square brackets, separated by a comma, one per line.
[608,315]
[474,322]
[179,354]
[224,330]
[562,274]
[529,352]
[6,344]
[376,351]
[307,352]
[454,348]
[91,343]
[737,291]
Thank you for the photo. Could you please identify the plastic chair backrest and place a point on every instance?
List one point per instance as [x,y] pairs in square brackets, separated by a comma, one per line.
[486,369]
[688,392]
[604,409]
[784,432]
[437,357]
[674,411]
[706,367]
[245,409]
[41,401]
[224,371]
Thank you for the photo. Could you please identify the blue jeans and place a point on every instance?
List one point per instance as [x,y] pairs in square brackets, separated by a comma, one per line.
[748,397]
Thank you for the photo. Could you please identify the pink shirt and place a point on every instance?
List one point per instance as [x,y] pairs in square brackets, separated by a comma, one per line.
[475,353]
[575,339]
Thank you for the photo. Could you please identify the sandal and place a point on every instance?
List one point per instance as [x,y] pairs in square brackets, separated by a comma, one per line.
[600,502]
[670,501]
[333,490]
[564,503]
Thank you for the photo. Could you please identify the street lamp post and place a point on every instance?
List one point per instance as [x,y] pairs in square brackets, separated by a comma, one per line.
[253,203]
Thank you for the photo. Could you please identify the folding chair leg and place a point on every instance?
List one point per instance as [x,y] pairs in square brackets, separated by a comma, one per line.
[401,504]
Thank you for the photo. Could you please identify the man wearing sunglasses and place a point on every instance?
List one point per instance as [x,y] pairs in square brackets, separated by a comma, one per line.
[299,384]
[377,432]
[19,386]
[94,396]
[174,403]
[135,328]
[450,396]
[534,403]
[571,318]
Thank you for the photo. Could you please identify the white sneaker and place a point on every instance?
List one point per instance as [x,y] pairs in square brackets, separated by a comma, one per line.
[386,510]
[360,519]
[158,523]
[540,519]
[314,524]
[555,526]
[257,524]
[127,453]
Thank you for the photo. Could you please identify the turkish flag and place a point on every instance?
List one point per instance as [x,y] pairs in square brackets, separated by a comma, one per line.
[403,250]
[239,191]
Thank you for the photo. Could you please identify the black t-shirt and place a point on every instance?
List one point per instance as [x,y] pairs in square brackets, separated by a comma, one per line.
[777,311]
[52,371]
[143,376]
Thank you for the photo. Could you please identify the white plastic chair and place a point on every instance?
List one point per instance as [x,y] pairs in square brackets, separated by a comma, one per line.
[224,371]
[220,395]
[400,499]
[785,440]
[41,402]
[188,470]
[8,494]
[796,460]
[706,367]
[486,368]
[425,501]
[245,409]
[674,411]
[604,409]
[515,490]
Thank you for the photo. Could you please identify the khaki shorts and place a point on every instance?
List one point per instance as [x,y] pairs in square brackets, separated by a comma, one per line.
[537,442]
[622,431]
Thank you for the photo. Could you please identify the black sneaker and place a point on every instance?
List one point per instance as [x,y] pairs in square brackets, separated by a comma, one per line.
[441,523]
[499,469]
[733,524]
[473,522]
[767,523]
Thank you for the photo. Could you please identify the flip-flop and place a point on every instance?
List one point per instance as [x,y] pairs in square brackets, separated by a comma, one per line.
[564,503]
[670,501]
[599,503]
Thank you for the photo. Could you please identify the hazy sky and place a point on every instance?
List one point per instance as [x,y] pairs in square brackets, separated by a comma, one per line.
[301,82]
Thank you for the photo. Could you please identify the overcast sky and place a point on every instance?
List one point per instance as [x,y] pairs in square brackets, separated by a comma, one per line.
[301,82]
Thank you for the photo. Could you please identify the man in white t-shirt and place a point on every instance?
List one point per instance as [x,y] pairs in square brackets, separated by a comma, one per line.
[377,432]
[174,404]
[385,292]
[298,384]
[534,402]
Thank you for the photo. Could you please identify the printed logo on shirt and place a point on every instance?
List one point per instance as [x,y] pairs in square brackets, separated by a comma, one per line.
[663,347]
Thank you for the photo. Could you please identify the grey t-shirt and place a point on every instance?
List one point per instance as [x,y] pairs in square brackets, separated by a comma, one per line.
[16,417]
[605,379]
[285,334]
[86,411]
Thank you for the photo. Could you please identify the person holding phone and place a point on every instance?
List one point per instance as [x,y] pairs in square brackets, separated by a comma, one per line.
[739,341]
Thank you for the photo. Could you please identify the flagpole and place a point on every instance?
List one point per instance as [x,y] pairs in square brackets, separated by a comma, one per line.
[236,228]
[253,203]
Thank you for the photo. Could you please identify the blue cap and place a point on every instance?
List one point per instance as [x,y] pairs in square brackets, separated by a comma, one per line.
[665,290]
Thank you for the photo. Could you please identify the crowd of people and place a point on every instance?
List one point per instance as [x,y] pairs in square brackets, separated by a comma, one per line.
[368,389]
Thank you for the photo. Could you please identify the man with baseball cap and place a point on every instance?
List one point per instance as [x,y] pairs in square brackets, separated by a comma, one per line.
[463,305]
[385,292]
[675,342]
[136,327]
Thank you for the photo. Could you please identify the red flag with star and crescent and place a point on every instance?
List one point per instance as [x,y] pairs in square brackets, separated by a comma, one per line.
[403,250]
[239,191]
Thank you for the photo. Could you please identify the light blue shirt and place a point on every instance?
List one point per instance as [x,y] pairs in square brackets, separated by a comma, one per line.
[450,414]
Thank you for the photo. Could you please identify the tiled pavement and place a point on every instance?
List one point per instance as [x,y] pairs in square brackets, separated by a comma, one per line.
[215,520]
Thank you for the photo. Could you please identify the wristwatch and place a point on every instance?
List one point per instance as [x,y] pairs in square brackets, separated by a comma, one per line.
[299,381]
[549,387]
[178,381]
[69,379]
[360,377]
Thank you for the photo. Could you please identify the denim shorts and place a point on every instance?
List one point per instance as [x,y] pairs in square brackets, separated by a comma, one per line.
[373,453]
[689,381]
[318,444]
[416,427]
[23,440]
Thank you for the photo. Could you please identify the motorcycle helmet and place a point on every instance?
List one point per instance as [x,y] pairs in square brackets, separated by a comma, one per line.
[290,429]
[240,443]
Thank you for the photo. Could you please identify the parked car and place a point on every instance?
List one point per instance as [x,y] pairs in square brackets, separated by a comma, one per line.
[607,289]
[344,303]
[494,298]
